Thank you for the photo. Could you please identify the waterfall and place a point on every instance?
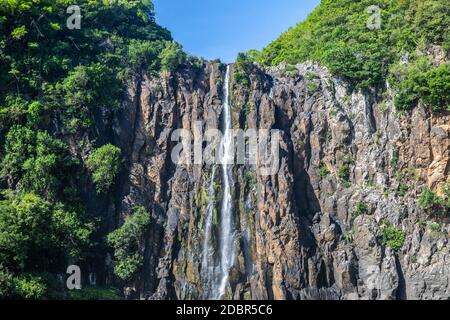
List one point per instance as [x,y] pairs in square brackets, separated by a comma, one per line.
[216,267]
[227,252]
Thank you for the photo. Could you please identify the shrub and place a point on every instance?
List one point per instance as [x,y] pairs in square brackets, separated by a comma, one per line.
[6,283]
[290,71]
[434,227]
[437,92]
[32,229]
[420,81]
[393,238]
[312,87]
[91,86]
[344,172]
[428,199]
[344,175]
[172,56]
[361,208]
[195,62]
[94,293]
[35,159]
[402,189]
[30,287]
[323,170]
[251,180]
[243,67]
[144,54]
[434,204]
[104,164]
[126,242]
[19,32]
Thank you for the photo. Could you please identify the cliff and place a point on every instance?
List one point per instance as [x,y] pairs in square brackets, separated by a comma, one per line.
[340,219]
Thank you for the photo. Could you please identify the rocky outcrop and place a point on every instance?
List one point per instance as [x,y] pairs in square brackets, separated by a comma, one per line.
[349,166]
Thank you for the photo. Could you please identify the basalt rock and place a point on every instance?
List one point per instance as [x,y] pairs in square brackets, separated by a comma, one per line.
[300,235]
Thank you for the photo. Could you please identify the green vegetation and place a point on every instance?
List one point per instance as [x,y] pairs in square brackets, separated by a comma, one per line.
[251,181]
[393,238]
[94,293]
[336,35]
[243,66]
[349,236]
[30,287]
[361,208]
[104,164]
[402,189]
[323,170]
[201,198]
[127,243]
[420,81]
[290,71]
[344,173]
[313,82]
[172,56]
[434,204]
[56,84]
[36,237]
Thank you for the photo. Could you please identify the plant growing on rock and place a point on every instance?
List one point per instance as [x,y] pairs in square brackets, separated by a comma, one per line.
[434,204]
[323,170]
[172,56]
[127,243]
[290,71]
[344,174]
[242,69]
[104,164]
[420,81]
[393,237]
[361,208]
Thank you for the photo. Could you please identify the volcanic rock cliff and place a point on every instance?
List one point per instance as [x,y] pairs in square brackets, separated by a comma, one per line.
[350,166]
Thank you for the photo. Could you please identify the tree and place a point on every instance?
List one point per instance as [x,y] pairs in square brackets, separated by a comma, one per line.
[34,160]
[336,35]
[437,92]
[36,237]
[172,56]
[104,164]
[127,243]
[54,83]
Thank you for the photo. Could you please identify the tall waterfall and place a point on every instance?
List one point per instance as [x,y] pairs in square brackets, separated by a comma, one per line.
[227,252]
[216,267]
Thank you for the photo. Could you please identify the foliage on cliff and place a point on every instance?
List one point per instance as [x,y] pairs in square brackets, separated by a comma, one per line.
[343,35]
[127,242]
[55,81]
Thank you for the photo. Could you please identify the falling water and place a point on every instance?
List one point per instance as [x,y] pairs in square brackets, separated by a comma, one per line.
[227,254]
[215,270]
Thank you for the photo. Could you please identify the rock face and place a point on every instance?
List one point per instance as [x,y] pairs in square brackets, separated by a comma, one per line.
[349,167]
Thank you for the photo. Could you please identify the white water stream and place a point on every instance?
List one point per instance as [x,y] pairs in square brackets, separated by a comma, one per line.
[216,269]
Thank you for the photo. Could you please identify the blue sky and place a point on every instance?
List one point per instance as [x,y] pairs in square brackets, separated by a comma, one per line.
[222,28]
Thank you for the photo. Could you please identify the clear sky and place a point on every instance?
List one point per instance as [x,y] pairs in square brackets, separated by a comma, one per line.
[222,28]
